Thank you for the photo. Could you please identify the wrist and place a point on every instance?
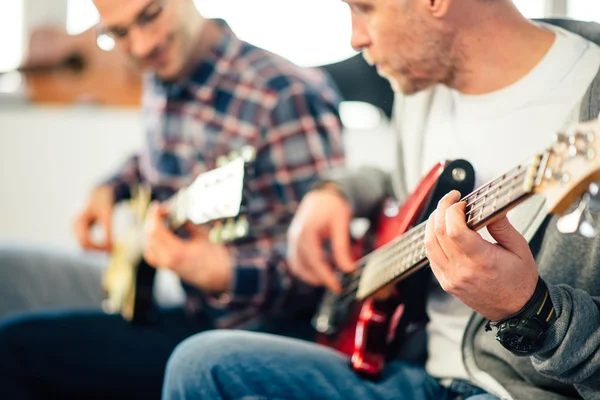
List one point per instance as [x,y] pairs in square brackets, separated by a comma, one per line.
[524,332]
[538,303]
[220,279]
[332,188]
[328,186]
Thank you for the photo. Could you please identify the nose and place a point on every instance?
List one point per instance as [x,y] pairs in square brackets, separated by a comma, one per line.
[141,43]
[360,36]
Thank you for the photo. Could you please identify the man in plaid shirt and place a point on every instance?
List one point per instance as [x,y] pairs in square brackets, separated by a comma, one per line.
[208,93]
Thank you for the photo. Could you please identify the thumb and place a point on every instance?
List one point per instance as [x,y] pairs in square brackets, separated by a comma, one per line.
[508,237]
[157,211]
[340,243]
[196,231]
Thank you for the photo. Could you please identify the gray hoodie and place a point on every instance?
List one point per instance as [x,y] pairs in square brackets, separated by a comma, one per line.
[568,366]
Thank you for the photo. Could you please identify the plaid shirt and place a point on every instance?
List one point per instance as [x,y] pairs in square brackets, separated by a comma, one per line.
[240,95]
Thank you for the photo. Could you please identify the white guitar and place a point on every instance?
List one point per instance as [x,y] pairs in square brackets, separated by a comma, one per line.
[218,196]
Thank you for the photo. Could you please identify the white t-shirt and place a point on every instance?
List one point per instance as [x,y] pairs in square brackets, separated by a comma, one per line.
[495,132]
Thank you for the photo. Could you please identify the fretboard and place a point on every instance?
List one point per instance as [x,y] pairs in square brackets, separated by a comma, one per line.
[406,254]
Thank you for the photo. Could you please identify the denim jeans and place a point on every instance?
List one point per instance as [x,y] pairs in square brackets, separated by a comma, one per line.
[236,365]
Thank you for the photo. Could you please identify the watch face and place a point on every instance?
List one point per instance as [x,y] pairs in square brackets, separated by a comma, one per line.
[519,344]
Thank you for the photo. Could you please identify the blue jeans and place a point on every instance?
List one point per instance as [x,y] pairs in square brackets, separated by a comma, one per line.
[237,365]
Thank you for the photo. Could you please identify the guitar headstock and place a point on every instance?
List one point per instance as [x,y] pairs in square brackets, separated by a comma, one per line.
[220,196]
[566,169]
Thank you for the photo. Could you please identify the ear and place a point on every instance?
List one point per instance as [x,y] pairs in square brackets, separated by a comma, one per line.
[438,8]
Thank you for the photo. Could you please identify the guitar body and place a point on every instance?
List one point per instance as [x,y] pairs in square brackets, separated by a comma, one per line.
[144,307]
[369,331]
[141,308]
[131,291]
[129,280]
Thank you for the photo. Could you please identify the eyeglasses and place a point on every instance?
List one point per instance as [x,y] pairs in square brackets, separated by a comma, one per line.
[150,15]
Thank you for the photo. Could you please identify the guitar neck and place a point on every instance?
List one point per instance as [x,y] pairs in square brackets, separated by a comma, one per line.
[406,254]
[214,195]
[177,209]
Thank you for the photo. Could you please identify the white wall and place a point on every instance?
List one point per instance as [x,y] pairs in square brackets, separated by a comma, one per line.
[50,157]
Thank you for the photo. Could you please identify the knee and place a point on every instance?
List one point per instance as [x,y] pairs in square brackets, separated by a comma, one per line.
[197,356]
[210,365]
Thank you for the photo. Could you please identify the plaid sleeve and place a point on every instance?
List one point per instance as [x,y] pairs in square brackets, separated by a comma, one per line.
[301,140]
[127,177]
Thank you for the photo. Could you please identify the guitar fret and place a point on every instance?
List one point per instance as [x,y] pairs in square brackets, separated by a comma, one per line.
[498,196]
[409,255]
[398,247]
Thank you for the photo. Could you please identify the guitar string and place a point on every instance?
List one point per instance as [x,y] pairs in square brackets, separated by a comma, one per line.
[416,235]
[391,255]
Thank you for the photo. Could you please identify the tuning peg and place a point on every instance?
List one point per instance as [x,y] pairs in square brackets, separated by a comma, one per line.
[233,155]
[587,152]
[561,138]
[248,153]
[578,143]
[242,227]
[581,219]
[228,233]
[588,227]
[561,177]
[587,137]
[569,223]
[215,233]
[222,160]
[575,144]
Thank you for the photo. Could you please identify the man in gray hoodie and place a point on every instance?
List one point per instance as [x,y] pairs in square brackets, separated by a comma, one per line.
[476,80]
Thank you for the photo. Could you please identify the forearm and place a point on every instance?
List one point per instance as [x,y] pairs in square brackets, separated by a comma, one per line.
[125,179]
[365,188]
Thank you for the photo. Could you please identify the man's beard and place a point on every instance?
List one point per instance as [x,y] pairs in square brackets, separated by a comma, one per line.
[403,85]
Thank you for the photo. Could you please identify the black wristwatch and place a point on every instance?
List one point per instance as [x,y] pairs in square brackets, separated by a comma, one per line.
[523,333]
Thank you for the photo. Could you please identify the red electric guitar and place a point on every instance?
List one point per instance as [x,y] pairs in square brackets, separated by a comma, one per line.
[366,319]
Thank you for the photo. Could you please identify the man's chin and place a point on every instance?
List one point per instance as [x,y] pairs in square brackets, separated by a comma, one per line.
[398,85]
[408,87]
[166,73]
